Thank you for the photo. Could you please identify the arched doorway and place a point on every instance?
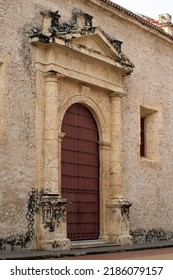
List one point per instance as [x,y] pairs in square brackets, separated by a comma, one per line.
[80,173]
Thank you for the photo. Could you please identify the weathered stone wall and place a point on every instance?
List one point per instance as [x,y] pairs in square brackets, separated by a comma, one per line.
[147,183]
[17,117]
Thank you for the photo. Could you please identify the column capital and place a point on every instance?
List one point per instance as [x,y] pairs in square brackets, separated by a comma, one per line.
[117,94]
[53,76]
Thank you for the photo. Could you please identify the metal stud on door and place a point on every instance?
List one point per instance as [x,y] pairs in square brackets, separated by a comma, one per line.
[80,172]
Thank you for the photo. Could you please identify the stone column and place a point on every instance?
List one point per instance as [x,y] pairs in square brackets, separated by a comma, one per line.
[52,208]
[117,206]
[60,139]
[51,133]
[116,149]
[104,148]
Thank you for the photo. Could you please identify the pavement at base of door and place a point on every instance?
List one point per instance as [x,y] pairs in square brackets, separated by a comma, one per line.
[150,254]
[141,251]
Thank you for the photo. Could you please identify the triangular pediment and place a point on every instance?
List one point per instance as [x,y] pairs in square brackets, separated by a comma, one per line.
[82,37]
[97,43]
[100,44]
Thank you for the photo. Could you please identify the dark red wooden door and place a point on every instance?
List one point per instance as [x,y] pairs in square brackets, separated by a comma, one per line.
[80,173]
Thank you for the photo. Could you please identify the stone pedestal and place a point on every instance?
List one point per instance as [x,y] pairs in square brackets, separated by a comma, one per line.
[52,212]
[118,222]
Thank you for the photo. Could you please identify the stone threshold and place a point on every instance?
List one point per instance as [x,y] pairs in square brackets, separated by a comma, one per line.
[91,244]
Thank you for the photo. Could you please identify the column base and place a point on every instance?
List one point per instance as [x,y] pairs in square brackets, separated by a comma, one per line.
[118,222]
[58,244]
[124,240]
[121,240]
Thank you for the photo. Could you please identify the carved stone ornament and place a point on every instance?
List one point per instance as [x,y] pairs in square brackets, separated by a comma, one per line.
[125,209]
[79,26]
[53,208]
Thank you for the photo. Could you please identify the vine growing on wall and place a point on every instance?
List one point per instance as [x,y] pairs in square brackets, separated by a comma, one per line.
[51,207]
[153,235]
[20,241]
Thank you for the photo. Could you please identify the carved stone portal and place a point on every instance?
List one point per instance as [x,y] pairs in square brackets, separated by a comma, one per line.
[78,63]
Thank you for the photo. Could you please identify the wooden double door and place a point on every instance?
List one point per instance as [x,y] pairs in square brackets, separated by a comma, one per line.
[80,172]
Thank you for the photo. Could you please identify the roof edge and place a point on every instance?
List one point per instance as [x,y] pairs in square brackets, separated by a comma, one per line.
[137,18]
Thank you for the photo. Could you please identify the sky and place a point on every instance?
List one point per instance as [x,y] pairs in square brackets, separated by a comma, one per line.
[150,8]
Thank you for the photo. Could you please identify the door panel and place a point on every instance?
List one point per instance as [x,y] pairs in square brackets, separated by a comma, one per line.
[80,172]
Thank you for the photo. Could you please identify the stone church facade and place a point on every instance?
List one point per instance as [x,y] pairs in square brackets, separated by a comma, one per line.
[85,126]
